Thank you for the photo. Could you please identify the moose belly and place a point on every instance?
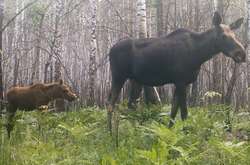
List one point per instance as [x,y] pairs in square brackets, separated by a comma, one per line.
[26,107]
[23,103]
[162,78]
[153,80]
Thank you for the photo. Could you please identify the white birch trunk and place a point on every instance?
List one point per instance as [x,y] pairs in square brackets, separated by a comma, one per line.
[93,53]
[142,18]
[151,94]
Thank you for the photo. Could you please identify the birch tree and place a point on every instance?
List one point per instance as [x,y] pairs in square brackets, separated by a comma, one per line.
[40,12]
[159,18]
[142,18]
[93,53]
[57,51]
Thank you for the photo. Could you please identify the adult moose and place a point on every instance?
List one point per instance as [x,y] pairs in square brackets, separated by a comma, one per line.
[31,97]
[175,58]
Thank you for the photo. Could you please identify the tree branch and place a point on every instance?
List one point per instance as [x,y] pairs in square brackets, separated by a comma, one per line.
[17,14]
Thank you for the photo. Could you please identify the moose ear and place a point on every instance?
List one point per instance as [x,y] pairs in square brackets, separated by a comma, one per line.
[60,81]
[217,19]
[235,25]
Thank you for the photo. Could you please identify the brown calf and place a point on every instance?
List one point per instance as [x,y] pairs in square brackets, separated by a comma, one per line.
[31,97]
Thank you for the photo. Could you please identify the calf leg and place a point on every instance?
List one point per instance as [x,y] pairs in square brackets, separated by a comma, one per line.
[174,108]
[10,123]
[134,94]
[11,111]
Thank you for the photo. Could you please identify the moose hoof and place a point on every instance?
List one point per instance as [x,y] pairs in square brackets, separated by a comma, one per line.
[171,123]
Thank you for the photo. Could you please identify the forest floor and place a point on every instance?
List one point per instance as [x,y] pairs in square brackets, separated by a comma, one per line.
[80,137]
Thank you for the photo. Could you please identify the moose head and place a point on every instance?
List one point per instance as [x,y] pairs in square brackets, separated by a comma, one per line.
[226,40]
[63,91]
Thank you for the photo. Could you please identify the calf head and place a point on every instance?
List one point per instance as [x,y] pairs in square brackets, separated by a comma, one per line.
[226,40]
[62,91]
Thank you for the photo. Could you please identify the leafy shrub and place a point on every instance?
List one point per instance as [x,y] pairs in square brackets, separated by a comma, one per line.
[81,137]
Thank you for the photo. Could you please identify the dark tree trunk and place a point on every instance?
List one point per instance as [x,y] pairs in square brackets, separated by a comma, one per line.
[194,94]
[16,68]
[35,67]
[57,50]
[194,90]
[217,61]
[228,95]
[1,49]
[59,103]
[160,18]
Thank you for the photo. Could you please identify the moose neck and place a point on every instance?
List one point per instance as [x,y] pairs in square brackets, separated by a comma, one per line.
[205,47]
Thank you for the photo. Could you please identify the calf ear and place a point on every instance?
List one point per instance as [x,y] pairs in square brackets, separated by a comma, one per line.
[235,25]
[60,81]
[217,19]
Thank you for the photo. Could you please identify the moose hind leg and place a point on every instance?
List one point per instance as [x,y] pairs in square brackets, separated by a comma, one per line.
[174,108]
[134,94]
[113,96]
[183,102]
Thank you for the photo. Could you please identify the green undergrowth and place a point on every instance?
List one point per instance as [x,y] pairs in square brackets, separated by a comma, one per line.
[80,137]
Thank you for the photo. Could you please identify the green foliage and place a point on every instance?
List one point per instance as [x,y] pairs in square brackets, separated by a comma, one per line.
[81,137]
[144,113]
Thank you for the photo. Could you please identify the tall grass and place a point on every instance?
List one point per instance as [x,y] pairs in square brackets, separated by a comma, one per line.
[81,138]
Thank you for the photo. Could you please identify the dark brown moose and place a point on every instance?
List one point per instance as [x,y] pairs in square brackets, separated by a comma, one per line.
[175,58]
[31,97]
